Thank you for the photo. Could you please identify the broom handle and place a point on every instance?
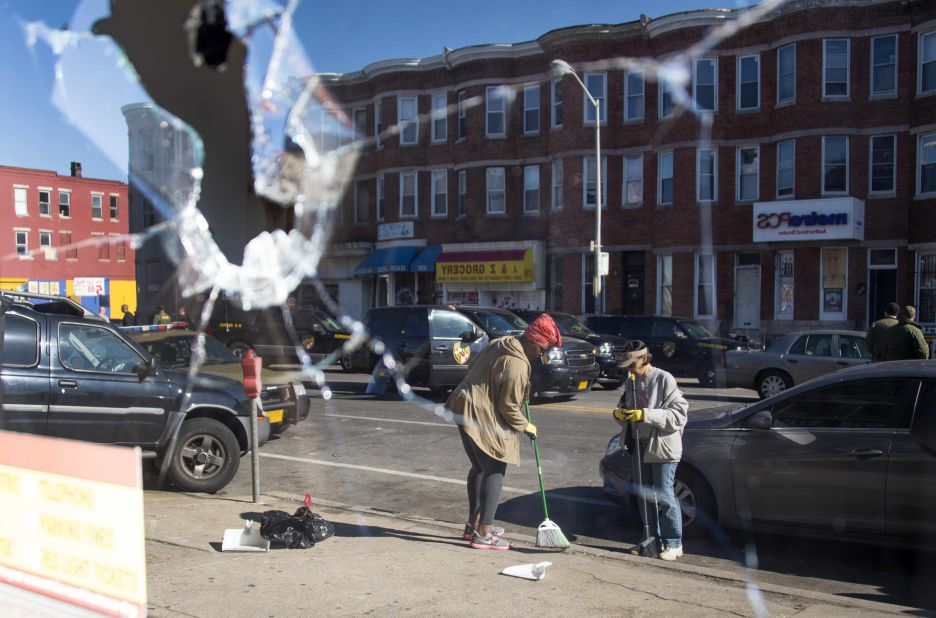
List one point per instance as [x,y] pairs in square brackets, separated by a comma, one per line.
[539,470]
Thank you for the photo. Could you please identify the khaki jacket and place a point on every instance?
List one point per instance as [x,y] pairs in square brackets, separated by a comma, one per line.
[876,337]
[905,342]
[489,401]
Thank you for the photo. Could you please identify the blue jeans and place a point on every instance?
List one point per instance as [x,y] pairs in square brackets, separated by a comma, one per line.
[663,512]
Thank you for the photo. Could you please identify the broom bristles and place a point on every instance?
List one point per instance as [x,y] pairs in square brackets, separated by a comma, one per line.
[550,535]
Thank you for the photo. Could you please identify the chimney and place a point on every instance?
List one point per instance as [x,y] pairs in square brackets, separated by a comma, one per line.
[76,169]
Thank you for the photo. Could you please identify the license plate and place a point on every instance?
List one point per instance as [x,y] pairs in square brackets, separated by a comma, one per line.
[300,389]
[275,416]
[583,385]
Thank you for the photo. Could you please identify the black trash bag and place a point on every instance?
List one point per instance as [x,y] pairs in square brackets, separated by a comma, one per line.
[301,530]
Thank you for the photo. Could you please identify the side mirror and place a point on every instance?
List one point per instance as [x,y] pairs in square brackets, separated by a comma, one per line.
[144,370]
[318,329]
[761,420]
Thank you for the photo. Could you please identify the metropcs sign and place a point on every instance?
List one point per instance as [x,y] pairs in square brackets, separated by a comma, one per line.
[828,219]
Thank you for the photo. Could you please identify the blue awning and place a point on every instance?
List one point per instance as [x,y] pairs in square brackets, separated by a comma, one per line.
[426,261]
[387,260]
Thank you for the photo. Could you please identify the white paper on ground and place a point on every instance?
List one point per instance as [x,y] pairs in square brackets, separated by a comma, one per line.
[528,571]
[244,539]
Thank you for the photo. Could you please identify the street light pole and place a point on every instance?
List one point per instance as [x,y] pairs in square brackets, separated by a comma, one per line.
[561,67]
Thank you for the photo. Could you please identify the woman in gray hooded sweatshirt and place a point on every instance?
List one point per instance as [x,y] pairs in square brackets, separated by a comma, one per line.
[654,404]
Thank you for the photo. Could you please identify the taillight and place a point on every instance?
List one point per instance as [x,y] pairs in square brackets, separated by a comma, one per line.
[209,330]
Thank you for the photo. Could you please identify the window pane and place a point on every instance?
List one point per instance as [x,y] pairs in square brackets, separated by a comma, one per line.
[20,341]
[882,163]
[748,173]
[835,173]
[785,168]
[595,83]
[928,163]
[865,404]
[928,61]
[531,106]
[786,73]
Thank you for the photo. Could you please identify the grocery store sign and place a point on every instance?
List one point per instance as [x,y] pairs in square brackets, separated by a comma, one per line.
[826,219]
[71,526]
[485,267]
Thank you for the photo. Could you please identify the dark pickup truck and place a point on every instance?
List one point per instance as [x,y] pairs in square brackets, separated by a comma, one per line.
[68,373]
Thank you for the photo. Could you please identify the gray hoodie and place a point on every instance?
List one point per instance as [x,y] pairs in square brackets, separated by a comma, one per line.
[665,414]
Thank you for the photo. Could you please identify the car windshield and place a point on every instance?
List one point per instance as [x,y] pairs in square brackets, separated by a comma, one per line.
[330,323]
[176,352]
[499,324]
[695,329]
[568,325]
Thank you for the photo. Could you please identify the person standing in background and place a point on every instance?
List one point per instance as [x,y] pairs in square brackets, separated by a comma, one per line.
[905,341]
[128,318]
[161,316]
[875,337]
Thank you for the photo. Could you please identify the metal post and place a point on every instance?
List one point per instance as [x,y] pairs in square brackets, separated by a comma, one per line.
[254,450]
[597,285]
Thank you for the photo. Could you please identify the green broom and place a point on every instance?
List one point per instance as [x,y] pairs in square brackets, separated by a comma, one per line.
[548,534]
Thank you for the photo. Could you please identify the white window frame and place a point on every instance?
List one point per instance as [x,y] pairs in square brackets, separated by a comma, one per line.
[380,201]
[462,194]
[46,248]
[740,83]
[100,207]
[921,48]
[558,179]
[919,164]
[531,176]
[739,175]
[628,95]
[67,195]
[378,123]
[438,210]
[627,179]
[21,200]
[21,248]
[832,315]
[714,175]
[406,123]
[404,176]
[695,288]
[491,176]
[113,207]
[779,170]
[825,68]
[556,104]
[439,118]
[48,202]
[696,63]
[664,264]
[528,109]
[672,177]
[893,91]
[602,97]
[822,177]
[893,164]
[586,180]
[462,115]
[792,97]
[492,96]
[665,88]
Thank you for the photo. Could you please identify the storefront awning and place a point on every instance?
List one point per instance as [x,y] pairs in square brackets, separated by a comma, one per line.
[514,266]
[387,260]
[426,262]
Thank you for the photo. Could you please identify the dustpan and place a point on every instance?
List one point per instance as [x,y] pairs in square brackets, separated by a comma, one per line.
[528,571]
[244,539]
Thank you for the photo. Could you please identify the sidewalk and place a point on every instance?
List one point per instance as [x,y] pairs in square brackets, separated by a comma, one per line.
[382,565]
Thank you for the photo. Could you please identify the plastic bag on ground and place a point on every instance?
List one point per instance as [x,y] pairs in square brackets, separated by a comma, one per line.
[301,530]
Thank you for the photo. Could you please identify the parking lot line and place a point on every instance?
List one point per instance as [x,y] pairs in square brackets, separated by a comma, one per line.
[390,420]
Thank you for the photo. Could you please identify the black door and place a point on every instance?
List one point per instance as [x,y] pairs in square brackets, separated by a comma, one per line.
[632,282]
[25,375]
[883,290]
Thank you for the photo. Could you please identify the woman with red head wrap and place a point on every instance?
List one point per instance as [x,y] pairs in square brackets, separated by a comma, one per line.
[488,407]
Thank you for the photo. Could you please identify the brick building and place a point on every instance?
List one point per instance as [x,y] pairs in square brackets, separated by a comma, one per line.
[809,197]
[64,235]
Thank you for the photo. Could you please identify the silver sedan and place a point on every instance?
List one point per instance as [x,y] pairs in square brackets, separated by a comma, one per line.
[794,359]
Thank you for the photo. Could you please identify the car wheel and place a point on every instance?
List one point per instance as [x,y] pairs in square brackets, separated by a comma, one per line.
[279,428]
[345,362]
[772,382]
[206,456]
[610,386]
[696,502]
[706,375]
[239,348]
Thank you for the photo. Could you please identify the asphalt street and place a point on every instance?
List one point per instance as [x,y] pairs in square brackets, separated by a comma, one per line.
[402,457]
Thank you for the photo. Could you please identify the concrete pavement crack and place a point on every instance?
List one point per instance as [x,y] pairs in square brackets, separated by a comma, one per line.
[174,611]
[179,545]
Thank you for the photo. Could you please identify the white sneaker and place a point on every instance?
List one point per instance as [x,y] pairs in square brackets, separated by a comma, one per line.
[671,553]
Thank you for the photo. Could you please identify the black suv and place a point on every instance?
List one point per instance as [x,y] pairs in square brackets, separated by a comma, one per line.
[681,346]
[610,348]
[68,373]
[435,344]
[266,331]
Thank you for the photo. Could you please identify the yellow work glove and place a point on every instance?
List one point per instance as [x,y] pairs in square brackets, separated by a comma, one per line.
[622,415]
[530,431]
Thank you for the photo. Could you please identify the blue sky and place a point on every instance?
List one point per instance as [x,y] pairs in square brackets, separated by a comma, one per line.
[338,37]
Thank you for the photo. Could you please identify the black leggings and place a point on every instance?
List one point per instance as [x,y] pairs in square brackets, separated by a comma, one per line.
[485,480]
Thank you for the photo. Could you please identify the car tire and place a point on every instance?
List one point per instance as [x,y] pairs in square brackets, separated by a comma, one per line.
[772,382]
[239,348]
[696,501]
[707,375]
[345,362]
[206,456]
[279,428]
[610,386]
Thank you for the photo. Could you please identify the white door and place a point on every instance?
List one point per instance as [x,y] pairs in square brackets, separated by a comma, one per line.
[747,297]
